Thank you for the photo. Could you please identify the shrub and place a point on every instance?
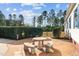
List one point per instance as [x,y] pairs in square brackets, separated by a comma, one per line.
[48,28]
[15,32]
[62,28]
[56,32]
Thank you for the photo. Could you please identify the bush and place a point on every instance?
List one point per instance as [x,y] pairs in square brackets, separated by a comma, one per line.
[6,32]
[19,32]
[62,28]
[48,28]
[56,32]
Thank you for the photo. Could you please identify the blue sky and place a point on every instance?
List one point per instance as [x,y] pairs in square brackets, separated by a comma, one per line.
[30,9]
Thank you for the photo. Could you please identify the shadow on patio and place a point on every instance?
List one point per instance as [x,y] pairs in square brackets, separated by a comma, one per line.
[56,53]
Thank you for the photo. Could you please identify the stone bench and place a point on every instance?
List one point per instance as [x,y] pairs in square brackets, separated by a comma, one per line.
[29,47]
[48,47]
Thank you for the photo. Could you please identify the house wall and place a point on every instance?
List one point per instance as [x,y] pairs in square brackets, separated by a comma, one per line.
[70,30]
[67,24]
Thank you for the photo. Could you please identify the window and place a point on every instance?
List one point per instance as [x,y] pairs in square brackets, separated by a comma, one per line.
[70,22]
[67,24]
[75,13]
[76,17]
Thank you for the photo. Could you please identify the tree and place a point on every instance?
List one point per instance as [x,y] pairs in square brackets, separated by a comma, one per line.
[10,19]
[56,21]
[34,18]
[21,19]
[44,14]
[14,16]
[51,17]
[52,13]
[2,19]
[7,22]
[40,20]
[62,21]
[60,15]
[14,20]
[64,13]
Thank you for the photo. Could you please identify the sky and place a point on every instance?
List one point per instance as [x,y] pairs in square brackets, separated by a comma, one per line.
[29,10]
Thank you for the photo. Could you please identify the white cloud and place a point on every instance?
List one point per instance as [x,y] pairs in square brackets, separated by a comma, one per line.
[57,5]
[38,4]
[14,9]
[42,4]
[28,15]
[67,6]
[37,8]
[8,9]
[34,5]
[24,4]
[14,13]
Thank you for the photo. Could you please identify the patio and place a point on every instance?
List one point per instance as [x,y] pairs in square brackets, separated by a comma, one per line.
[63,47]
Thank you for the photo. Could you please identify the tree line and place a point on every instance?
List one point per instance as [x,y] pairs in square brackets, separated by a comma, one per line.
[51,17]
[12,20]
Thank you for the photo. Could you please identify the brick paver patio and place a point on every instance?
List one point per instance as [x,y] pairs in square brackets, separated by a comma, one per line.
[15,47]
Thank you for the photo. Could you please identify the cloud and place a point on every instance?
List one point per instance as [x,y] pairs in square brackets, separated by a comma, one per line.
[28,15]
[34,5]
[38,4]
[14,9]
[37,7]
[14,13]
[24,4]
[67,6]
[8,9]
[57,5]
